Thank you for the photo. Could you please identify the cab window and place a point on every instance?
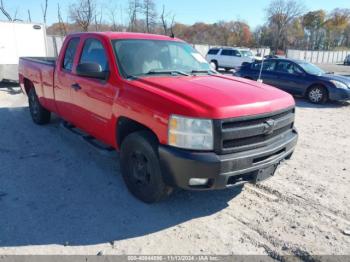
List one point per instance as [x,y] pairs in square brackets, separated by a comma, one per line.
[70,53]
[94,52]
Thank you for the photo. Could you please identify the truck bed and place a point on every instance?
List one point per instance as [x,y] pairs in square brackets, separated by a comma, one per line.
[40,72]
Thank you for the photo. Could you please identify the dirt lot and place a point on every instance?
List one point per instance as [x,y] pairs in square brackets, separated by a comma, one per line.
[60,196]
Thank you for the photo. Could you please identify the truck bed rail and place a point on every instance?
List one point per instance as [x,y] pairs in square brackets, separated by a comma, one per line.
[42,60]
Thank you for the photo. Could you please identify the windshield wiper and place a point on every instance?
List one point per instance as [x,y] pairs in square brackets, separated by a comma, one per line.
[131,77]
[210,72]
[166,72]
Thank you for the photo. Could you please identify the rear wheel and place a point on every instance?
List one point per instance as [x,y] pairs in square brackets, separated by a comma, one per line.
[39,114]
[317,94]
[141,168]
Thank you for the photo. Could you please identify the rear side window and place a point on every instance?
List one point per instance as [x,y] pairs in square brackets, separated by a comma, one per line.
[227,52]
[288,68]
[267,66]
[213,52]
[94,52]
[236,53]
[230,52]
[70,53]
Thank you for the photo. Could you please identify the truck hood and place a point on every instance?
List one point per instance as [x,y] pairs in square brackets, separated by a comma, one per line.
[220,96]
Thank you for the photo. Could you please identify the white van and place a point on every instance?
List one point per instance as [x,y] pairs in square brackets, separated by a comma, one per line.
[229,57]
[19,39]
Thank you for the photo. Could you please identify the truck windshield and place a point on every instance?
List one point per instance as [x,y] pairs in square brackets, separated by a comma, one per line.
[138,57]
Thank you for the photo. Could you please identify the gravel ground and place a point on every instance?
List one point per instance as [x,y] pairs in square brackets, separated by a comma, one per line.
[338,69]
[60,196]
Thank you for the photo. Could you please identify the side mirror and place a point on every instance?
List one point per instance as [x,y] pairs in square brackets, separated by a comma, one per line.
[92,70]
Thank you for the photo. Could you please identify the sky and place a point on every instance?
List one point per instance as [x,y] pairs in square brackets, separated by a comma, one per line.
[186,11]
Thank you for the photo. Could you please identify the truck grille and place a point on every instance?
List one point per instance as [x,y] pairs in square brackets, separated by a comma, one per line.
[241,134]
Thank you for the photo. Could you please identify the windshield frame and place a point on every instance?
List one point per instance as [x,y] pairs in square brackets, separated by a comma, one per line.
[128,77]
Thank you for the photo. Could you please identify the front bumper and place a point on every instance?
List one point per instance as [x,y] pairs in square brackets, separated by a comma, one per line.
[339,94]
[179,166]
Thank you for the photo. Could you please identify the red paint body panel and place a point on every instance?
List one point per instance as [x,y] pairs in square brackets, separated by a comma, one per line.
[150,101]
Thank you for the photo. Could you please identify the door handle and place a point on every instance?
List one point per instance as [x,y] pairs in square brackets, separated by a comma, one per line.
[76,86]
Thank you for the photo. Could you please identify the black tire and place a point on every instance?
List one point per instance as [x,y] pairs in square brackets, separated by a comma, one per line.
[39,114]
[216,64]
[317,94]
[140,167]
[227,69]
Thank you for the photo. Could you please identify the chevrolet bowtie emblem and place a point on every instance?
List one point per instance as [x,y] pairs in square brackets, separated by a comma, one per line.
[269,126]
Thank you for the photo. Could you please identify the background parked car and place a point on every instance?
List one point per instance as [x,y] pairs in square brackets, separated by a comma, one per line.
[347,60]
[299,78]
[229,58]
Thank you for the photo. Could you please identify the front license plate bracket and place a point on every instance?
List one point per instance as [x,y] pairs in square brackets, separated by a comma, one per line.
[265,173]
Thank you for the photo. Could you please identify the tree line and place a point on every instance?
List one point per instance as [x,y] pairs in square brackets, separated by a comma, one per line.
[287,24]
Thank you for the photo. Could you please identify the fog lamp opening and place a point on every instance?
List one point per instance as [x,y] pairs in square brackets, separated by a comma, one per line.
[198,181]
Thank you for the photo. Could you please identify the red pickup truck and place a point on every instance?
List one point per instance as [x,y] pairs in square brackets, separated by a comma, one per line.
[175,121]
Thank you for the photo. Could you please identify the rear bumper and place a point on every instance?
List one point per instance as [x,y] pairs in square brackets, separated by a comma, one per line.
[339,94]
[179,166]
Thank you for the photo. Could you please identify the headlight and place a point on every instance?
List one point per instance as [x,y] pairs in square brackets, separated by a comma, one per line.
[339,84]
[190,133]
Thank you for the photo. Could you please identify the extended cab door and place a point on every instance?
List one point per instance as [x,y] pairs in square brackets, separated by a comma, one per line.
[64,78]
[93,98]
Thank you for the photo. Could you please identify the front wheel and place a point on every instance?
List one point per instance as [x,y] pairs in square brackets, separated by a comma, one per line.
[39,114]
[140,167]
[214,65]
[317,94]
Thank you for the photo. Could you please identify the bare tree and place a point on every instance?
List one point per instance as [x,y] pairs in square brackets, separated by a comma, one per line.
[150,13]
[115,16]
[281,14]
[62,26]
[164,17]
[44,10]
[172,26]
[164,21]
[15,16]
[98,20]
[82,13]
[29,16]
[112,16]
[133,11]
[3,10]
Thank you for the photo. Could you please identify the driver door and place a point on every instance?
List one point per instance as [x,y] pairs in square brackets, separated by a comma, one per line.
[93,98]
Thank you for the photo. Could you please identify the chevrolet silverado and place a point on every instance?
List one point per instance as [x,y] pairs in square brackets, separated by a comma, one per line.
[174,120]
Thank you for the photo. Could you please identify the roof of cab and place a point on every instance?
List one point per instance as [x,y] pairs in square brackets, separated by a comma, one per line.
[128,35]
